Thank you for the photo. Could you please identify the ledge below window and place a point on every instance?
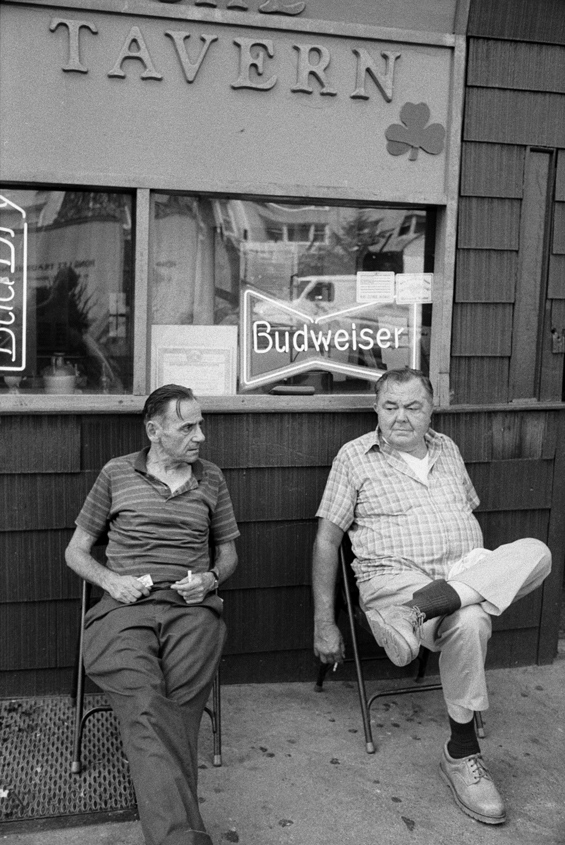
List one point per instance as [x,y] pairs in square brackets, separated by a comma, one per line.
[328,403]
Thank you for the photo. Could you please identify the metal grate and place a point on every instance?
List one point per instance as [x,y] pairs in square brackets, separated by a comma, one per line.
[36,783]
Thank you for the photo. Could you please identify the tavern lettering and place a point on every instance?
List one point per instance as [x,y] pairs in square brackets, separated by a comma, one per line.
[312,61]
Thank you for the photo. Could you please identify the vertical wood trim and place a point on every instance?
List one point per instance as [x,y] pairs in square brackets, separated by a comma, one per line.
[446,241]
[553,586]
[141,345]
[461,17]
[528,307]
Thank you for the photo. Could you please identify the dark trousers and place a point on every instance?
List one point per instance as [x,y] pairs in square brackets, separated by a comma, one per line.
[156,660]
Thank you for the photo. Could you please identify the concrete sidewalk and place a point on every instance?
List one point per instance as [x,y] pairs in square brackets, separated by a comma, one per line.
[295,769]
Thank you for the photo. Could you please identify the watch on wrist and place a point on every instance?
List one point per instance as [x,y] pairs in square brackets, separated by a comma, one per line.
[216,575]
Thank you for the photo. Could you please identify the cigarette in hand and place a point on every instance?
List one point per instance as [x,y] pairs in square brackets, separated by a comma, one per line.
[335,667]
[189,575]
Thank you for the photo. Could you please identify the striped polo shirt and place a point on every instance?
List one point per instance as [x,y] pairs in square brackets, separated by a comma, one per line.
[151,530]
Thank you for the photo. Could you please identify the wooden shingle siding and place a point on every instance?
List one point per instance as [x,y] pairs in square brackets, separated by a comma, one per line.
[106,437]
[501,527]
[38,635]
[486,275]
[488,223]
[512,152]
[489,170]
[280,440]
[556,282]
[32,566]
[519,20]
[558,245]
[514,117]
[276,554]
[268,620]
[482,329]
[39,444]
[521,66]
[479,381]
[286,493]
[501,435]
[42,501]
[513,485]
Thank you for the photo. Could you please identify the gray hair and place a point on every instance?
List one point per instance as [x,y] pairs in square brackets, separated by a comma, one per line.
[157,403]
[402,376]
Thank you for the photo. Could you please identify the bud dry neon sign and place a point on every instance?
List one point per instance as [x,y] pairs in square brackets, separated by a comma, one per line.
[280,340]
[13,286]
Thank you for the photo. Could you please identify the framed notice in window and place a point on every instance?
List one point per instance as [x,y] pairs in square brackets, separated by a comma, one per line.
[203,358]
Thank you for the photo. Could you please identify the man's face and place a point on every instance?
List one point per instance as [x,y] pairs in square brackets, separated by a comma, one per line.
[404,412]
[179,435]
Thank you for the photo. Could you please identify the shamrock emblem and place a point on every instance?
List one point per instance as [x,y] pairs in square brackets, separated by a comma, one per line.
[414,134]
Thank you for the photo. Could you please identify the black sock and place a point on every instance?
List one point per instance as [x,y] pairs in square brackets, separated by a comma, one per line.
[463,741]
[438,598]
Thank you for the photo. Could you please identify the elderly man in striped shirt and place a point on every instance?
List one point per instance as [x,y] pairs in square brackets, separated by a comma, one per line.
[154,641]
[404,496]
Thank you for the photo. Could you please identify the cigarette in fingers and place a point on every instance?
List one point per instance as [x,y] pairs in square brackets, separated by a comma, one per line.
[335,667]
[189,575]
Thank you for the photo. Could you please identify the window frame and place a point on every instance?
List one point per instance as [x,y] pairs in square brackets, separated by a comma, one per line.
[444,256]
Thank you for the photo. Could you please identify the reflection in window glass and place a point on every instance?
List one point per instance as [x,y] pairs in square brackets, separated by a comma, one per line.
[314,298]
[78,332]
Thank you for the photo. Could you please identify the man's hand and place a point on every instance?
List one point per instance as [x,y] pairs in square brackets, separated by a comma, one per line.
[195,587]
[328,642]
[125,588]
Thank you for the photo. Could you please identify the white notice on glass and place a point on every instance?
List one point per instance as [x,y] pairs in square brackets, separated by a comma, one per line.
[375,286]
[414,287]
[203,358]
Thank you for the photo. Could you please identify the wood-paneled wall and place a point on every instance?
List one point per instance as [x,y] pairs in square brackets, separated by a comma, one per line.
[276,466]
[510,268]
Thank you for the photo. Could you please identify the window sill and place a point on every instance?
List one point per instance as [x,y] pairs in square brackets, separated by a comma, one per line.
[20,403]
[15,403]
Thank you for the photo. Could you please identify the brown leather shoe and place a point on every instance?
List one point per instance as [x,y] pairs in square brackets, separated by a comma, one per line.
[473,788]
[397,629]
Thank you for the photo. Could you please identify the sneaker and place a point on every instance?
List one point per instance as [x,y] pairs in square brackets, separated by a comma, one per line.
[398,630]
[472,787]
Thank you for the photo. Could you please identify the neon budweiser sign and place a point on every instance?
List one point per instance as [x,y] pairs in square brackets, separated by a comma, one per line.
[281,339]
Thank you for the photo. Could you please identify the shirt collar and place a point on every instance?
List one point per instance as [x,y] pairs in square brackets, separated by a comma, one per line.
[140,465]
[375,440]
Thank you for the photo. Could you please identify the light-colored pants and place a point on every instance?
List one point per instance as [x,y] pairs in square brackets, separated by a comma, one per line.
[502,576]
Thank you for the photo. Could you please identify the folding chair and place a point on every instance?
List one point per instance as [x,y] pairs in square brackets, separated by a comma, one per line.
[347,599]
[78,687]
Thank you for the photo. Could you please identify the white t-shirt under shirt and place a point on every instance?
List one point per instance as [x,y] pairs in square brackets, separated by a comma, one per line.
[419,465]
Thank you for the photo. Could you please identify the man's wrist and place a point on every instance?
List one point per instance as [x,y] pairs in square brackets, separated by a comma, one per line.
[216,578]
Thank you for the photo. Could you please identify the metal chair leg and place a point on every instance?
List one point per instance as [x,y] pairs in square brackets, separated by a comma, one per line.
[218,726]
[78,686]
[365,713]
[215,714]
[479,724]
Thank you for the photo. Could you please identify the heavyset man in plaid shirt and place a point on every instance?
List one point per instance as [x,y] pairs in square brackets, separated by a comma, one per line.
[404,496]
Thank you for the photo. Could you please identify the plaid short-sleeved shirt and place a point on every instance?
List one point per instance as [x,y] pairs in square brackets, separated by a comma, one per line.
[151,530]
[397,522]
